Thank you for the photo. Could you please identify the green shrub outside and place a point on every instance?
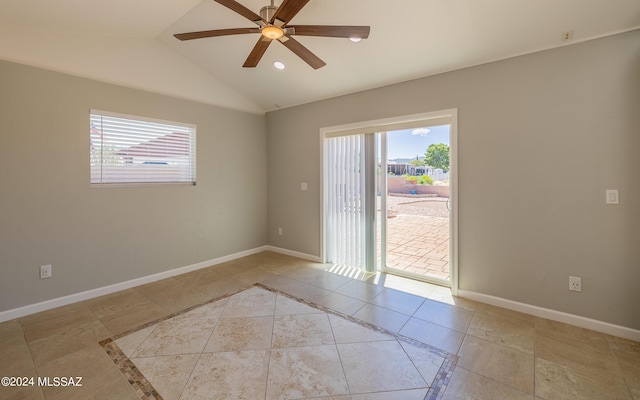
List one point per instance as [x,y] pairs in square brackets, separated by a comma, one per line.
[422,180]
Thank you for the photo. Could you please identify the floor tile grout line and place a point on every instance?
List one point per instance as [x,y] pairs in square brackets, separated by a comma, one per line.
[615,357]
[405,324]
[31,355]
[535,358]
[359,309]
[186,383]
[335,344]
[495,381]
[399,312]
[270,349]
[133,352]
[467,334]
[429,385]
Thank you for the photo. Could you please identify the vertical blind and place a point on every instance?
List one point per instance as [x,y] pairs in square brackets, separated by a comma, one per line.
[135,150]
[345,174]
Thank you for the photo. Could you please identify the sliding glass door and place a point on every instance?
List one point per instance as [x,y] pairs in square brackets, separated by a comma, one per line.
[388,203]
[414,194]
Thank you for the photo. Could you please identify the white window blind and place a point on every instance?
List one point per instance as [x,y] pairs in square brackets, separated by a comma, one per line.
[135,150]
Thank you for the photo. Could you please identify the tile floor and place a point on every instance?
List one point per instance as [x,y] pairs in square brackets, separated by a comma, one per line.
[262,344]
[502,354]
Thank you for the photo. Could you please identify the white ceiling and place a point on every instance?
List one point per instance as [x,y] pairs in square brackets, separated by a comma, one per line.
[130,42]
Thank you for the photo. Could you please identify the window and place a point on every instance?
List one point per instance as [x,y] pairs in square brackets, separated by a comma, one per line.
[135,150]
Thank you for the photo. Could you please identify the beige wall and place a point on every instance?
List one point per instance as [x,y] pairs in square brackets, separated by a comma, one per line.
[569,113]
[49,214]
[555,129]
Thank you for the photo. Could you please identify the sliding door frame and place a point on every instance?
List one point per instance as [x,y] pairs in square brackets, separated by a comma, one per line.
[391,124]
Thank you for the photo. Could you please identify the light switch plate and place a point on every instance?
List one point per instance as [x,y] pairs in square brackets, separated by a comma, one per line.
[612,197]
[304,186]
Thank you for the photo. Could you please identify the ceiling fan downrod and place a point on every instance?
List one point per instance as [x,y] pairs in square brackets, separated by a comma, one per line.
[267,12]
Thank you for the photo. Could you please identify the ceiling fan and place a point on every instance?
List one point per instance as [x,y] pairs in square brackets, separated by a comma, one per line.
[273,24]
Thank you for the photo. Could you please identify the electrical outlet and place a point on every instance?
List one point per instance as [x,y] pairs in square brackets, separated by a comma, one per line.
[575,284]
[45,271]
[279,231]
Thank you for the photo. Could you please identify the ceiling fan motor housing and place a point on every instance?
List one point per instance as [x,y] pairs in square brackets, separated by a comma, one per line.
[267,12]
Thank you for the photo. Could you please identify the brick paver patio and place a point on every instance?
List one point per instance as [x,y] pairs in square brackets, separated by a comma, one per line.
[418,236]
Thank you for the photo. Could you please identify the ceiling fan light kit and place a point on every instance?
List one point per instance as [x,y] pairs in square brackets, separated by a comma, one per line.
[272,32]
[273,25]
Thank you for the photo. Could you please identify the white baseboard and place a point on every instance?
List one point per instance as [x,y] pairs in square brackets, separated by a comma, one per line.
[292,253]
[559,316]
[90,294]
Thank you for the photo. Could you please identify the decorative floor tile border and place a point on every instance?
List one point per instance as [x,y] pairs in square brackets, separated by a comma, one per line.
[136,379]
[146,391]
[132,374]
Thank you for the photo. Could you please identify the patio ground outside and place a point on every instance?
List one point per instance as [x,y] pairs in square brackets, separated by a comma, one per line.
[418,235]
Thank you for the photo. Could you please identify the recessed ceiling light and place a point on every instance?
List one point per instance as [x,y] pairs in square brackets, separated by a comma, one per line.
[355,39]
[278,65]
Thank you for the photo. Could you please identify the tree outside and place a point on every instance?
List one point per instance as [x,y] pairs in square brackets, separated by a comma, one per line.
[437,156]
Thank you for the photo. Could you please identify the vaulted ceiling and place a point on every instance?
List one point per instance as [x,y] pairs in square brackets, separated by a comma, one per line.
[131,43]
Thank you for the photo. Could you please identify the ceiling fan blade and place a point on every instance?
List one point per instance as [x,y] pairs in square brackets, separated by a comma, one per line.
[314,61]
[287,10]
[361,32]
[257,52]
[214,33]
[240,9]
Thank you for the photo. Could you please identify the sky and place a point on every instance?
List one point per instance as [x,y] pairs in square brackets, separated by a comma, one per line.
[414,142]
